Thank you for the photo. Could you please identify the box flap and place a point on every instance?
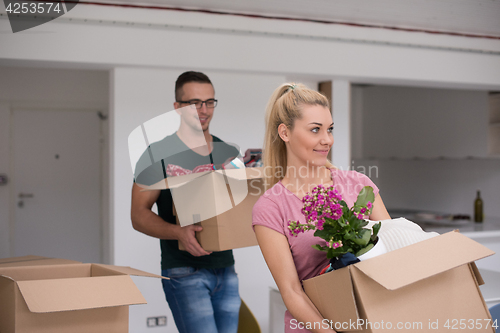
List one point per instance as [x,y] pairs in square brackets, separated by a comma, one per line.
[32,260]
[46,272]
[333,295]
[18,259]
[129,271]
[7,308]
[237,185]
[178,181]
[201,198]
[418,261]
[244,174]
[174,181]
[161,185]
[477,274]
[55,295]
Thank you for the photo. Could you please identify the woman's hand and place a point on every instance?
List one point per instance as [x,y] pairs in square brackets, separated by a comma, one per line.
[276,252]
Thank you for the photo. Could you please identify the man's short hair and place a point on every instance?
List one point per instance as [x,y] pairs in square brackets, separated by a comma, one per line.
[187,77]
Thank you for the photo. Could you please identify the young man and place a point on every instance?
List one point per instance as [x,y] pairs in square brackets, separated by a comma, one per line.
[203,288]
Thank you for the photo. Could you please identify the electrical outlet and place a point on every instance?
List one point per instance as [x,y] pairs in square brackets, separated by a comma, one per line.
[151,322]
[156,321]
[161,321]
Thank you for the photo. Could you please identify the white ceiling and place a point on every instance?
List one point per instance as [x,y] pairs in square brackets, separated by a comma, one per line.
[479,17]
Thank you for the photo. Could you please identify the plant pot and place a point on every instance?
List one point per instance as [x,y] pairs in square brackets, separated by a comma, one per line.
[378,249]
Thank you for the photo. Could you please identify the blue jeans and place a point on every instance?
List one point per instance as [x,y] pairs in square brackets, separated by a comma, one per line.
[203,300]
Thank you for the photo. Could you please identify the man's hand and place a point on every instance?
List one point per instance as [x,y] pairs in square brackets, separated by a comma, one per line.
[187,239]
[149,223]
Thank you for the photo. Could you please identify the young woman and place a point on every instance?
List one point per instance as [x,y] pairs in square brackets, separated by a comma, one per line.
[298,138]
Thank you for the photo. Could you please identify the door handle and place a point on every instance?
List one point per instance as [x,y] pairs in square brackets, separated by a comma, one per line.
[26,195]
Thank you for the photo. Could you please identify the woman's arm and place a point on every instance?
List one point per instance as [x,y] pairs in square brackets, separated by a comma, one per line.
[276,252]
[379,212]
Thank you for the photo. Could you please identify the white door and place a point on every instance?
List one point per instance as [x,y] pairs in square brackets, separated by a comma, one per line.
[56,184]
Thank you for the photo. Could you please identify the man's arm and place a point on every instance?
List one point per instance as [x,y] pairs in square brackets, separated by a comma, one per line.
[149,223]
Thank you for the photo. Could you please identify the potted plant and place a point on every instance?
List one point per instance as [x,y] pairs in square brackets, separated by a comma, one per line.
[343,228]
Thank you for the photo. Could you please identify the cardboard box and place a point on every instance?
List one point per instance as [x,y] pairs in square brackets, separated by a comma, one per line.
[222,201]
[430,286]
[40,294]
[34,261]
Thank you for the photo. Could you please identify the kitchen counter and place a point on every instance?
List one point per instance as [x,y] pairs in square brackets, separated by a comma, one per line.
[490,225]
[487,232]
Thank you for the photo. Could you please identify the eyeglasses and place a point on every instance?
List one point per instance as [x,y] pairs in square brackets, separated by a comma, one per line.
[210,103]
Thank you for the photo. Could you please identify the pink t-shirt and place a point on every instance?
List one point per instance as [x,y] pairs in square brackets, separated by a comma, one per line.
[278,205]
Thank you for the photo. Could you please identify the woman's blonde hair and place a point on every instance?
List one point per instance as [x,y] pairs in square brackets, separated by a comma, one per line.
[284,107]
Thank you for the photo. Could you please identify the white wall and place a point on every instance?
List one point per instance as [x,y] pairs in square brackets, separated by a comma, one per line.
[41,88]
[341,114]
[239,116]
[110,36]
[20,86]
[430,147]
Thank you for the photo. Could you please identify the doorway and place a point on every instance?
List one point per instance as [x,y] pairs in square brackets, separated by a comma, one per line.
[56,158]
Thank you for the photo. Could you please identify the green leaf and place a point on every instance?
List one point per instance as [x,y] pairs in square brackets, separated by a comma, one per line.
[349,236]
[322,234]
[364,250]
[353,220]
[363,237]
[332,253]
[319,247]
[365,195]
[329,221]
[376,228]
[345,209]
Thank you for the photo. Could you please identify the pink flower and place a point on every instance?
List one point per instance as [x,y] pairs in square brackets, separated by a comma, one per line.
[320,224]
[334,245]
